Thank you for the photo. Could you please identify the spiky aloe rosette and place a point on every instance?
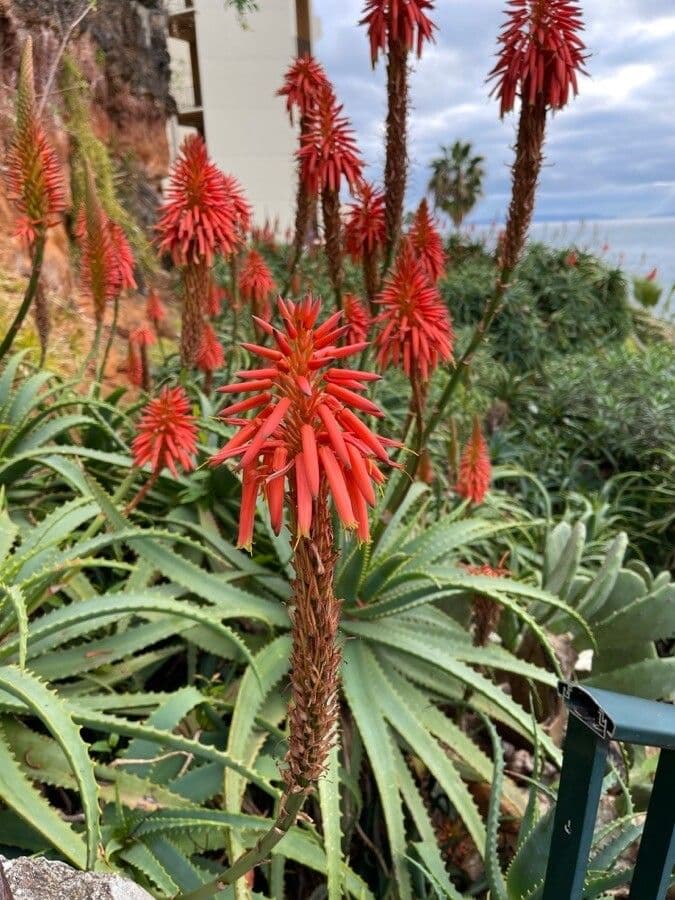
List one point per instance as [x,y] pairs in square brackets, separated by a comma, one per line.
[304,447]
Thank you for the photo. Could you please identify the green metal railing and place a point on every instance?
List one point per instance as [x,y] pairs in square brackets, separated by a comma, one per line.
[596,718]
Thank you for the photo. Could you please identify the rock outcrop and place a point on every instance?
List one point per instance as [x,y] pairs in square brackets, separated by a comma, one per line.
[32,878]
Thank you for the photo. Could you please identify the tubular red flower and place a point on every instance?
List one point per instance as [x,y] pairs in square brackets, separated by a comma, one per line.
[427,242]
[397,20]
[541,53]
[210,355]
[214,300]
[142,336]
[303,80]
[415,331]
[35,179]
[155,309]
[357,319]
[365,229]
[475,470]
[123,256]
[167,433]
[201,216]
[256,283]
[325,445]
[328,151]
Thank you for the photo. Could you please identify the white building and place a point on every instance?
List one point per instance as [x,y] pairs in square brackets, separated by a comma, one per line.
[224,78]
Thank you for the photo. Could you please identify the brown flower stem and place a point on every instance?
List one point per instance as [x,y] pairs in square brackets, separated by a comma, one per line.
[208,382]
[142,493]
[234,276]
[93,352]
[396,163]
[330,206]
[145,368]
[111,338]
[42,322]
[196,284]
[315,675]
[28,297]
[371,279]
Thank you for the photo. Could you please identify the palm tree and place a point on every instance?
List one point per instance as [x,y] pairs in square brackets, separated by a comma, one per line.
[456,182]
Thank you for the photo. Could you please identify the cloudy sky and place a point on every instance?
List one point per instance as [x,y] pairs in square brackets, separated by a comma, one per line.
[610,154]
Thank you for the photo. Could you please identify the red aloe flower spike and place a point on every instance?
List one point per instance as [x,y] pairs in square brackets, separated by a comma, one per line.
[415,331]
[123,257]
[240,206]
[475,470]
[214,300]
[308,413]
[142,338]
[328,152]
[167,433]
[541,54]
[155,309]
[366,234]
[405,21]
[134,365]
[35,179]
[210,355]
[357,318]
[302,82]
[256,283]
[427,242]
[396,26]
[101,274]
[199,218]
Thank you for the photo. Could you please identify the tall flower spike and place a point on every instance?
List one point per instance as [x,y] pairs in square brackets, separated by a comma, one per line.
[541,53]
[397,20]
[365,229]
[134,364]
[357,318]
[167,433]
[123,257]
[214,300]
[100,271]
[475,470]
[35,179]
[415,331]
[302,82]
[199,218]
[256,284]
[240,205]
[210,355]
[304,406]
[328,152]
[155,309]
[427,242]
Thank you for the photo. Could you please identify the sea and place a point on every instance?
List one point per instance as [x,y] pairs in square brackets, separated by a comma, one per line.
[638,246]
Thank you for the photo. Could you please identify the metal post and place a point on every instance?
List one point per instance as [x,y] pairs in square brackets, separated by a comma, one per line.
[584,759]
[656,858]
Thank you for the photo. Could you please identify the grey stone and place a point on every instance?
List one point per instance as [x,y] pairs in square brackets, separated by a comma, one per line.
[32,878]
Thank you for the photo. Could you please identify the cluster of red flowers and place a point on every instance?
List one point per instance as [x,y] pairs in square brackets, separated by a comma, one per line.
[328,151]
[305,431]
[398,20]
[256,283]
[35,179]
[303,81]
[365,229]
[167,433]
[415,329]
[210,354]
[107,263]
[155,310]
[205,212]
[427,242]
[475,470]
[357,318]
[541,53]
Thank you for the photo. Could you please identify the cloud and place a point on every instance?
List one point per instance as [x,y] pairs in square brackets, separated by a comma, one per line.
[609,154]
